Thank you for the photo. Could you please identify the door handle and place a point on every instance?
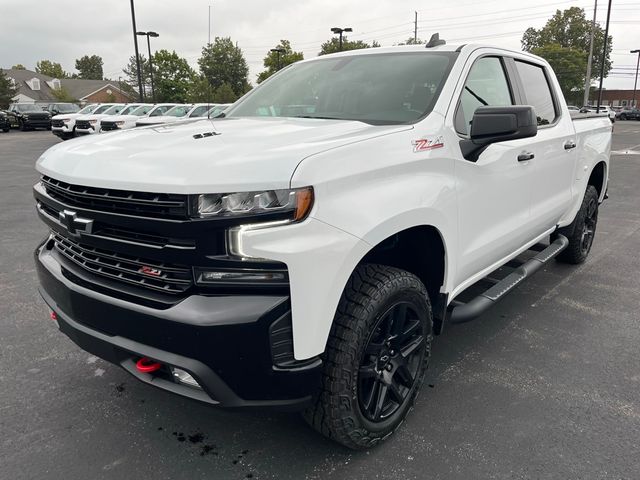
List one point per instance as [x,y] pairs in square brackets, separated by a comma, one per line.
[568,145]
[523,157]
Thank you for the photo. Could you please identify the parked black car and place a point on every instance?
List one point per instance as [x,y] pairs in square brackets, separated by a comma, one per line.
[5,125]
[628,114]
[27,116]
[60,108]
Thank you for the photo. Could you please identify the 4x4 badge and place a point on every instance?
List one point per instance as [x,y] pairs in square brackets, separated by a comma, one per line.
[424,144]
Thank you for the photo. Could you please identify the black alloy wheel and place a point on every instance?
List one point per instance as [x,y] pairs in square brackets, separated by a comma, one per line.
[391,362]
[589,226]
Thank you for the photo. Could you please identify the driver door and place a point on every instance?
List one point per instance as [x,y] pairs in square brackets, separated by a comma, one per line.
[494,194]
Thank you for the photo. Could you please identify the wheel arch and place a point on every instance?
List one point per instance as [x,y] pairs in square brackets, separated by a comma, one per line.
[598,178]
[421,250]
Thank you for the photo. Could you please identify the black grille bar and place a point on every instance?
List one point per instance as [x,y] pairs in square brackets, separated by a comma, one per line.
[148,274]
[155,205]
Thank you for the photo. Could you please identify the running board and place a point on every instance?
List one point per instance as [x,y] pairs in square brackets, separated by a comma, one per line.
[465,312]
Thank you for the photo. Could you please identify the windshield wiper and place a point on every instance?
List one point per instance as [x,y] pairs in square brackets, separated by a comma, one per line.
[478,97]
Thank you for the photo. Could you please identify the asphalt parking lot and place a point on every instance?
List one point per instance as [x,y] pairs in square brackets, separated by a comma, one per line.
[546,385]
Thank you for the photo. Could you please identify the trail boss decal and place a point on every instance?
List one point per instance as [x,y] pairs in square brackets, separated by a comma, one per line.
[425,144]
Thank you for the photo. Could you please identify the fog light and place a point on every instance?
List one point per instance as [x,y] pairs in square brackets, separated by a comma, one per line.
[241,276]
[184,377]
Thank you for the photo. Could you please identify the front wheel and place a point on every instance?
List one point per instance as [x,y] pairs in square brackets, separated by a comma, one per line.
[584,229]
[623,117]
[376,357]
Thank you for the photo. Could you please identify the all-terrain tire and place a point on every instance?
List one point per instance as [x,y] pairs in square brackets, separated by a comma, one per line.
[371,291]
[583,230]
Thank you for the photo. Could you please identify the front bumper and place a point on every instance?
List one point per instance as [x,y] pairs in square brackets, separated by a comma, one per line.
[223,341]
[37,123]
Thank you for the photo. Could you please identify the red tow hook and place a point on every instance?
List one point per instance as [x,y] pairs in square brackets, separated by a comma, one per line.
[146,365]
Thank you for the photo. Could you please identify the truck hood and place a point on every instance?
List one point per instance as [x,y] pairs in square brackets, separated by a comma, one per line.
[93,116]
[122,118]
[203,156]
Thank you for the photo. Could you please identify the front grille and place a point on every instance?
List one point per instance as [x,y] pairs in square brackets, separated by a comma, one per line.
[107,126]
[155,205]
[148,274]
[83,124]
[57,123]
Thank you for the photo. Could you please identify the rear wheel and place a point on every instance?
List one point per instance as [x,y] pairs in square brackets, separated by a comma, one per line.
[22,126]
[623,117]
[376,356]
[584,230]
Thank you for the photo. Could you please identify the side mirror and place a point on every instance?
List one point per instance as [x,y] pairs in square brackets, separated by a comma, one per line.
[498,124]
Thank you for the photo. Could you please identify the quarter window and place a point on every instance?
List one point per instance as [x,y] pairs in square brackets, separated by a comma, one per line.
[486,85]
[537,91]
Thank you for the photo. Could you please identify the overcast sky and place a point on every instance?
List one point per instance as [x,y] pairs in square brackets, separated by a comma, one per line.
[64,30]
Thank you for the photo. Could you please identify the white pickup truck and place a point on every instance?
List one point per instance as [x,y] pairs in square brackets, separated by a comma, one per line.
[303,251]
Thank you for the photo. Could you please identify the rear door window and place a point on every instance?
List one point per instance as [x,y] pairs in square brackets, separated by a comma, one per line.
[537,91]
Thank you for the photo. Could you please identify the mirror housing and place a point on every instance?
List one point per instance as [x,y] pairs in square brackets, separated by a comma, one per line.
[498,124]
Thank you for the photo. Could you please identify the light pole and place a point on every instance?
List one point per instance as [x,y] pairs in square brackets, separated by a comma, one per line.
[587,86]
[604,56]
[279,51]
[635,84]
[339,31]
[154,35]
[135,44]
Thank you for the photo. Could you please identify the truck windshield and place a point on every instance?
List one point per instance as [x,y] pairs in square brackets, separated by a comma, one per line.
[68,108]
[380,89]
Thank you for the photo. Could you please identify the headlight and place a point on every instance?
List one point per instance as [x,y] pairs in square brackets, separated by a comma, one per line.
[66,120]
[120,123]
[295,202]
[92,121]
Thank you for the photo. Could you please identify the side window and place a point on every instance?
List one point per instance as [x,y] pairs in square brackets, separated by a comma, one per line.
[537,91]
[486,85]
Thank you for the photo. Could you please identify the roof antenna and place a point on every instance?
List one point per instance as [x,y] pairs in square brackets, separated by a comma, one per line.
[435,41]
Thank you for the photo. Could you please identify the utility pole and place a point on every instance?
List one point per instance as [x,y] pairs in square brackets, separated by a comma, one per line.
[415,28]
[339,31]
[635,85]
[135,43]
[587,83]
[604,56]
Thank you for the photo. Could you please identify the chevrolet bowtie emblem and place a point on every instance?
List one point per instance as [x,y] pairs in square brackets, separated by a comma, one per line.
[73,223]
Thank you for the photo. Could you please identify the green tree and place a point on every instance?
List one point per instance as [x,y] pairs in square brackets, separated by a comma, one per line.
[19,66]
[333,45]
[131,74]
[571,29]
[90,67]
[223,62]
[52,69]
[569,65]
[62,95]
[412,41]
[225,94]
[272,63]
[7,90]
[200,91]
[172,76]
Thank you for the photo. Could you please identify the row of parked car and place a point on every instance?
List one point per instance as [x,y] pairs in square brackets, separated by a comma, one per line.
[614,113]
[68,120]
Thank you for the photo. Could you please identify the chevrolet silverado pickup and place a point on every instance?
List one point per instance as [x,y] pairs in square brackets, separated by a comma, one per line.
[302,250]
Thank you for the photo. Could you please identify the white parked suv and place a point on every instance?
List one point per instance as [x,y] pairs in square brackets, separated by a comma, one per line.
[179,112]
[158,111]
[90,124]
[64,125]
[303,251]
[126,119]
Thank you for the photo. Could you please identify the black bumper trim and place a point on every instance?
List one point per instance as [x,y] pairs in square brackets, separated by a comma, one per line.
[217,339]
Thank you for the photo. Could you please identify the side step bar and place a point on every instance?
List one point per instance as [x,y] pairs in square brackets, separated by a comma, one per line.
[465,312]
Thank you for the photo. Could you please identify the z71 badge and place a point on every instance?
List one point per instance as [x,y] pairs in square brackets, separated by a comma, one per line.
[425,144]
